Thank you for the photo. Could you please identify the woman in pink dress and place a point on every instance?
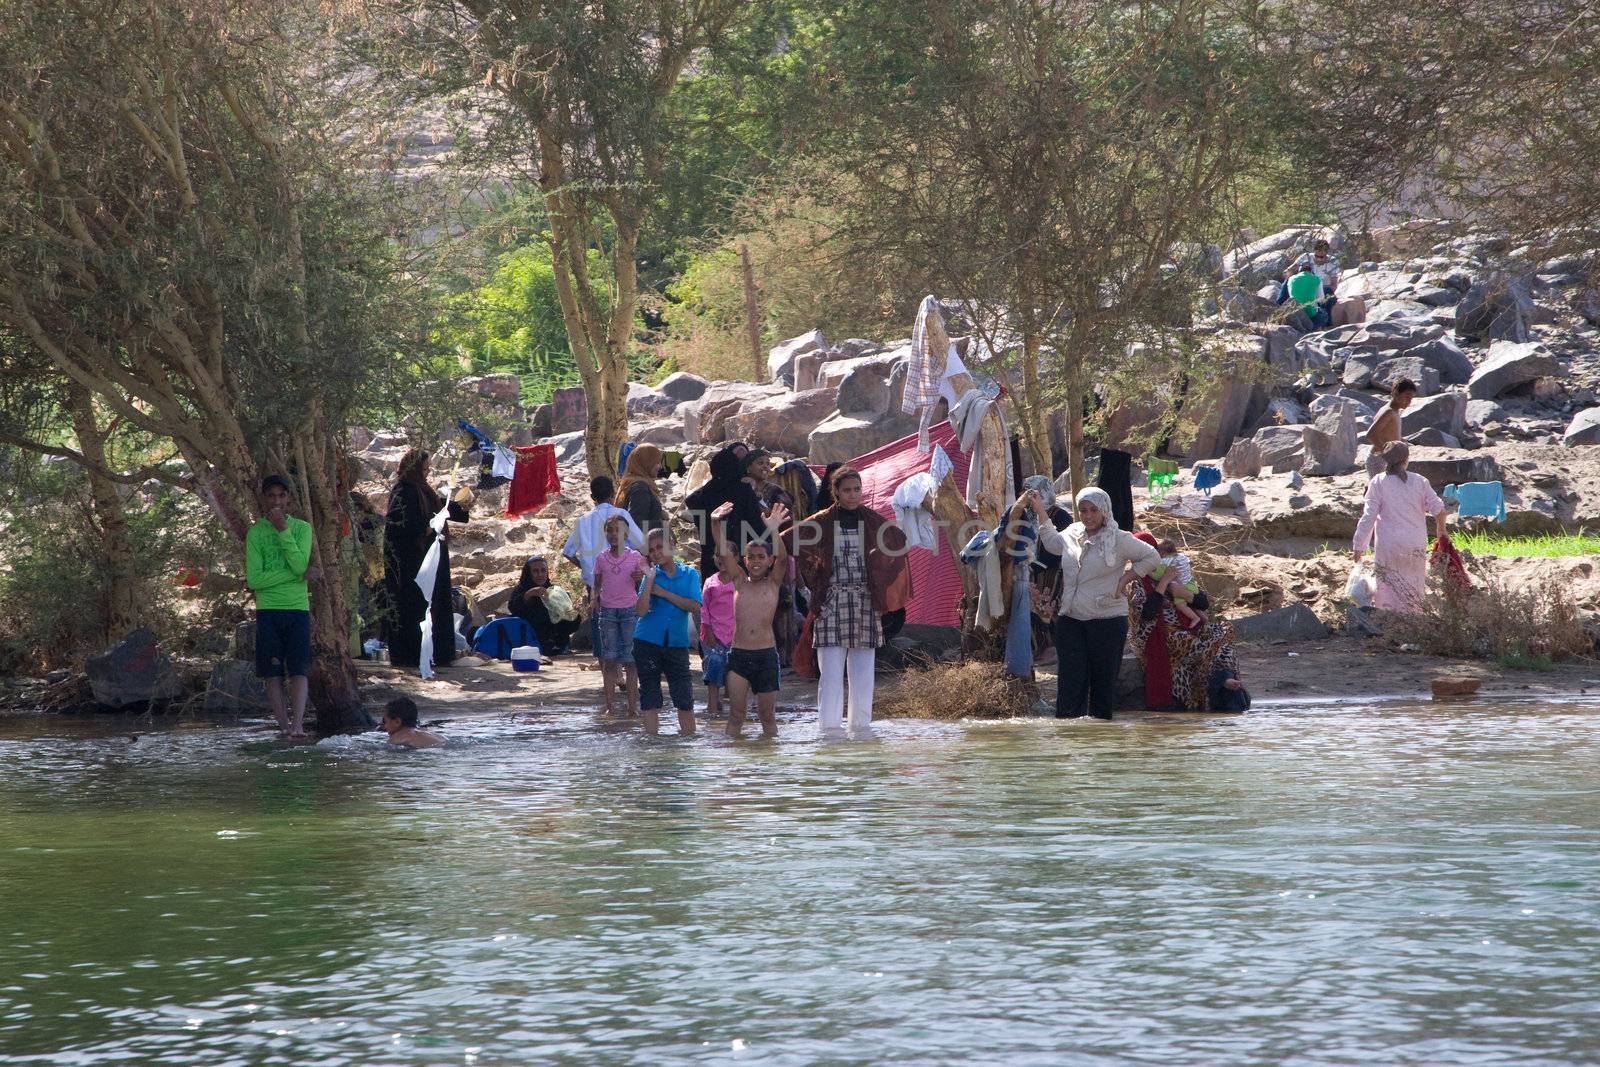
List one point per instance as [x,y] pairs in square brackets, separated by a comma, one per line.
[1396,516]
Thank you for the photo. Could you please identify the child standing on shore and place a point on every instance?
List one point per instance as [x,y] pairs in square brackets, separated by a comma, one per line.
[716,629]
[617,572]
[669,595]
[1175,579]
[753,660]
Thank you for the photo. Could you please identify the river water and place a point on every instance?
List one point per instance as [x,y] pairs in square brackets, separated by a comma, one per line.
[1315,884]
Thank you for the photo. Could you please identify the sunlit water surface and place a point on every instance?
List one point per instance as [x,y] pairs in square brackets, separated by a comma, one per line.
[1317,885]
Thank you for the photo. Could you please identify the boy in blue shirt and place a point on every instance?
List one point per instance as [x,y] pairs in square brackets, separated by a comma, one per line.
[669,593]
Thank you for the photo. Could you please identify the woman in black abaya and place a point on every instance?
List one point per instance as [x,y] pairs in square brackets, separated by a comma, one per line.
[406,540]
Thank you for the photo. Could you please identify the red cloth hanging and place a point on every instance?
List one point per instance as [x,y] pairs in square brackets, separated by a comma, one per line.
[1446,557]
[535,480]
[1157,658]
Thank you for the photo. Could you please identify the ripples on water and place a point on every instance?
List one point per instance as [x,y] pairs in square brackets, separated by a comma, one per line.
[1328,885]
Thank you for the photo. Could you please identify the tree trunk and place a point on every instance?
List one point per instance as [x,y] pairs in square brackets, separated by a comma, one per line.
[1075,395]
[121,582]
[333,691]
[1034,433]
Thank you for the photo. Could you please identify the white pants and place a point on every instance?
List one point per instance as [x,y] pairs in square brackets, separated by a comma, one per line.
[831,663]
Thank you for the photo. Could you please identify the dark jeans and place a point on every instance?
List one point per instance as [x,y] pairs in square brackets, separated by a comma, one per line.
[1088,660]
[651,661]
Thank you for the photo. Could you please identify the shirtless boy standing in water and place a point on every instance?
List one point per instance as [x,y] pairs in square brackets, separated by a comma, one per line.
[753,659]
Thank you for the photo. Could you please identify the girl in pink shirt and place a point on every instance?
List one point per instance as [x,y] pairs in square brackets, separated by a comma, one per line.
[617,572]
[716,629]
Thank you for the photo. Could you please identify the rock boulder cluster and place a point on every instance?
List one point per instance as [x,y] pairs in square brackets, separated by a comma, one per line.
[1503,343]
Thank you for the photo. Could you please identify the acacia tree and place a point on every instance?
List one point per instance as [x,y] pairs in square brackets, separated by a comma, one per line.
[180,243]
[578,92]
[1043,161]
[1470,108]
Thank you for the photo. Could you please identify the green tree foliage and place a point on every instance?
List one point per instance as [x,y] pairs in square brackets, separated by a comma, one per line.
[512,323]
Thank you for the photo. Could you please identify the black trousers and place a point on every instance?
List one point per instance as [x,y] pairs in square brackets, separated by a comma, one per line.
[652,661]
[1088,660]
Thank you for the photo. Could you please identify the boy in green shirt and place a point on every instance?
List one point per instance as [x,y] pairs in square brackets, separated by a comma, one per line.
[277,557]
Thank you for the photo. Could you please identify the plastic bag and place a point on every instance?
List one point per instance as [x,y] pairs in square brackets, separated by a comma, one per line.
[1361,585]
[558,604]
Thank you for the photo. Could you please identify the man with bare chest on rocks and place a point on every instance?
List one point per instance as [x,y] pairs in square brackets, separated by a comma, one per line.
[753,659]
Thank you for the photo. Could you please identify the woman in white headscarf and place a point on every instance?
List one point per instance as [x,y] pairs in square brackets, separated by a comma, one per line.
[1092,625]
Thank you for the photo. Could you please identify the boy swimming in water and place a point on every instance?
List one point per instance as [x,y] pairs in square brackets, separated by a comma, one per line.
[753,659]
[400,723]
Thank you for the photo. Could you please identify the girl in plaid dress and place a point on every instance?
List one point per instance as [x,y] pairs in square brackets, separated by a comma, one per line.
[853,561]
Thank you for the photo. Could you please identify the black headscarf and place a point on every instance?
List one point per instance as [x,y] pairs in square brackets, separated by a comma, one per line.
[825,494]
[726,484]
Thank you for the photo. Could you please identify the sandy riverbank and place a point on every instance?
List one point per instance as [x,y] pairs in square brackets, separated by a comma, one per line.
[1334,668]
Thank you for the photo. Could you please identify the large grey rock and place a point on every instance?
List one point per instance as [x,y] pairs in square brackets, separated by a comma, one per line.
[1433,437]
[1358,368]
[569,448]
[1243,459]
[844,437]
[1225,412]
[782,423]
[1229,496]
[1295,622]
[1281,447]
[1444,466]
[1390,371]
[864,391]
[1584,429]
[133,671]
[683,386]
[1393,336]
[1446,357]
[645,402]
[831,374]
[1282,411]
[234,688]
[1331,444]
[1481,413]
[1496,307]
[1446,412]
[780,359]
[1586,302]
[703,418]
[1284,353]
[569,410]
[1265,260]
[1509,365]
[664,433]
[1361,410]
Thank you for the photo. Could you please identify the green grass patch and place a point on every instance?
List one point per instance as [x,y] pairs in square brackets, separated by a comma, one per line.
[1581,543]
[1521,660]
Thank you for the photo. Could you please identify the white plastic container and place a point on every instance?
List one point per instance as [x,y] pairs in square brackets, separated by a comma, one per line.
[525,658]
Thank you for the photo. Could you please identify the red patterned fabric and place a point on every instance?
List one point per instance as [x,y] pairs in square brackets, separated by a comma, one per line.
[1446,556]
[1157,658]
[535,481]
[936,586]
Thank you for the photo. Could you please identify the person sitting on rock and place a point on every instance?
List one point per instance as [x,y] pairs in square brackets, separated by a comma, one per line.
[1341,311]
[1304,288]
[530,601]
[400,723]
[1386,427]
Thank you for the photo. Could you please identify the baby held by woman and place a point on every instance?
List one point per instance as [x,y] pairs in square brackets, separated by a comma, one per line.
[1175,580]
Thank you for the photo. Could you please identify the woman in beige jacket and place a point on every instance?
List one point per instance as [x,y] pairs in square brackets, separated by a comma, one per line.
[1092,626]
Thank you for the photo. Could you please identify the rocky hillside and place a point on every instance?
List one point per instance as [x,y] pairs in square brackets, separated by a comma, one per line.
[1504,343]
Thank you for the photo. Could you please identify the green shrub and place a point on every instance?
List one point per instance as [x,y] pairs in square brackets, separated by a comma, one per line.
[54,595]
[512,324]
